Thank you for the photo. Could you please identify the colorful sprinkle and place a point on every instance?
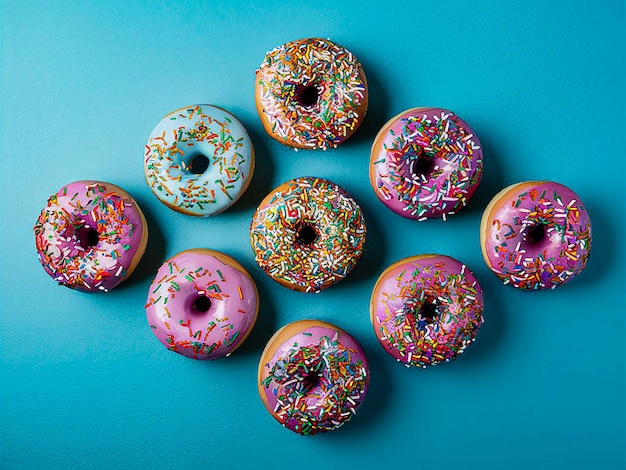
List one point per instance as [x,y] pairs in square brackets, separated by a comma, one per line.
[532,240]
[426,309]
[89,235]
[326,70]
[334,221]
[315,380]
[426,163]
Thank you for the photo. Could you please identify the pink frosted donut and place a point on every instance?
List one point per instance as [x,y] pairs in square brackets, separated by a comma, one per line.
[312,376]
[536,235]
[90,236]
[426,309]
[202,304]
[425,163]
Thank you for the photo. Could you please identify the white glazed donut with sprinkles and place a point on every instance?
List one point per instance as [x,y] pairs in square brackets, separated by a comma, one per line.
[308,234]
[199,160]
[311,94]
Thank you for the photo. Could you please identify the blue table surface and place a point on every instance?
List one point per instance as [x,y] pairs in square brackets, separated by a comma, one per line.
[84,382]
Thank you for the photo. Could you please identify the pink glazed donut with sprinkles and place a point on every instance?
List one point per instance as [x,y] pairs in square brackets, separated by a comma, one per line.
[312,376]
[426,163]
[90,236]
[202,304]
[536,235]
[426,309]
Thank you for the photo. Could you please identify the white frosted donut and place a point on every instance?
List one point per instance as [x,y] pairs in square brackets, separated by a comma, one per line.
[199,160]
[311,93]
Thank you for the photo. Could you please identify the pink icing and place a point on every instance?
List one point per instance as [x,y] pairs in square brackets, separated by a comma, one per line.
[429,164]
[88,235]
[200,306]
[544,258]
[316,380]
[427,310]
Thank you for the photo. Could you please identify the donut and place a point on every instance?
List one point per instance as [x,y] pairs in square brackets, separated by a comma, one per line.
[199,160]
[535,235]
[202,304]
[90,236]
[307,234]
[425,163]
[313,376]
[426,309]
[311,94]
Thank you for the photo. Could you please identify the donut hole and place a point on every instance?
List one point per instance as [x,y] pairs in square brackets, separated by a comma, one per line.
[536,233]
[421,166]
[422,314]
[198,164]
[201,304]
[87,237]
[311,381]
[306,234]
[429,311]
[306,95]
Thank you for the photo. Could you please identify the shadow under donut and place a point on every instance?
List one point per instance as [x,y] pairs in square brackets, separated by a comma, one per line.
[371,263]
[263,330]
[261,183]
[154,255]
[491,334]
[491,183]
[377,110]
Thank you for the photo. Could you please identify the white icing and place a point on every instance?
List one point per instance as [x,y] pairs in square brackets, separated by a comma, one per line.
[183,135]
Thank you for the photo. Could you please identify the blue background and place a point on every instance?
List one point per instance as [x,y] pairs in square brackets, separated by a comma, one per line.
[85,383]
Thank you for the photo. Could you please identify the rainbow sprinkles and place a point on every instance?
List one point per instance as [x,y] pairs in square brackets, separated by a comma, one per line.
[199,160]
[311,93]
[426,163]
[426,309]
[90,236]
[332,218]
[536,235]
[202,304]
[315,380]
